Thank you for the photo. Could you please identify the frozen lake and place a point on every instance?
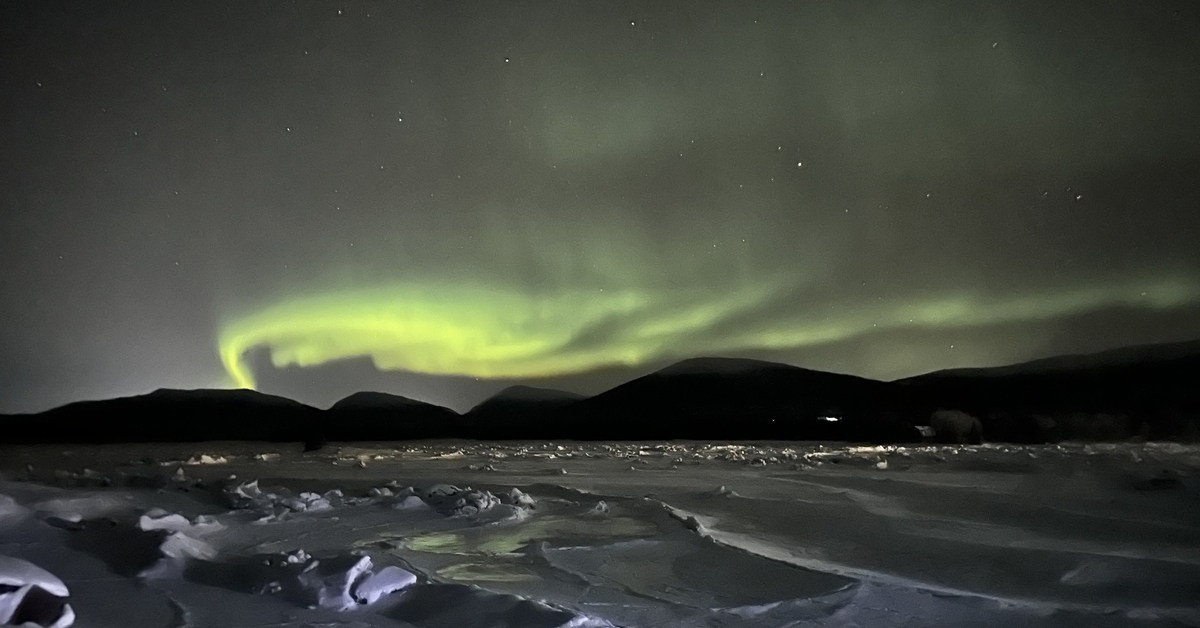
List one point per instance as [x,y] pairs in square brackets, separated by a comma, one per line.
[626,534]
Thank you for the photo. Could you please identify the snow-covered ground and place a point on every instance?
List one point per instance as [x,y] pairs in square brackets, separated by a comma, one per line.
[466,535]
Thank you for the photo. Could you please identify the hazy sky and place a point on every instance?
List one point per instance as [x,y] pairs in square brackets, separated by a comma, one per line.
[438,199]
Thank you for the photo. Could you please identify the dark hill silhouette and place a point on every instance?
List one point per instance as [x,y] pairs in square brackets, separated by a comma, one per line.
[169,416]
[519,412]
[371,401]
[366,416]
[727,398]
[1122,357]
[1150,391]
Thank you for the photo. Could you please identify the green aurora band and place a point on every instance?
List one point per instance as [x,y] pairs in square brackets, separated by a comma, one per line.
[490,331]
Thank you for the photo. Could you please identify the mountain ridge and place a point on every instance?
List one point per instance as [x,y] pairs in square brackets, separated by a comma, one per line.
[1145,391]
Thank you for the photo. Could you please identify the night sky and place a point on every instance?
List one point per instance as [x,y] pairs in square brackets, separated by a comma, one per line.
[440,199]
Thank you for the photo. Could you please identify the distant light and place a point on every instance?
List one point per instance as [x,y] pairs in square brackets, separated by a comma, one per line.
[831,419]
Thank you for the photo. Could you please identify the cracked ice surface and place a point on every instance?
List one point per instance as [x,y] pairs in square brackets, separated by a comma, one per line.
[459,535]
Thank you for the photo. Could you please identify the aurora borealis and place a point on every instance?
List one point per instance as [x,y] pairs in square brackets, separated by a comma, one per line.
[444,330]
[540,192]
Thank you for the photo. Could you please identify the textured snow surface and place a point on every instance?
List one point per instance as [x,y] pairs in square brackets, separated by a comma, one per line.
[469,535]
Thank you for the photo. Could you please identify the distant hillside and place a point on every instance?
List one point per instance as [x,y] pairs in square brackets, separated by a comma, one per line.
[519,412]
[366,416]
[169,416]
[1148,391]
[1123,357]
[376,401]
[724,398]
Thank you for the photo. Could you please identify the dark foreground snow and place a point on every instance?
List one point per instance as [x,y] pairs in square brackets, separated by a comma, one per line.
[465,535]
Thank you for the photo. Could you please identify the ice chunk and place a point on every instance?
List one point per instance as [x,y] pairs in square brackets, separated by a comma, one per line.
[179,545]
[15,572]
[275,506]
[308,502]
[385,581]
[248,490]
[159,519]
[207,459]
[298,557]
[32,606]
[337,583]
[327,583]
[247,495]
[516,497]
[32,596]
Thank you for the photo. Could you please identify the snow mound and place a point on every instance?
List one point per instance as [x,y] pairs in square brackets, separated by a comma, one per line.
[11,511]
[446,499]
[76,509]
[459,502]
[32,596]
[278,506]
[1091,573]
[309,502]
[516,497]
[723,491]
[410,502]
